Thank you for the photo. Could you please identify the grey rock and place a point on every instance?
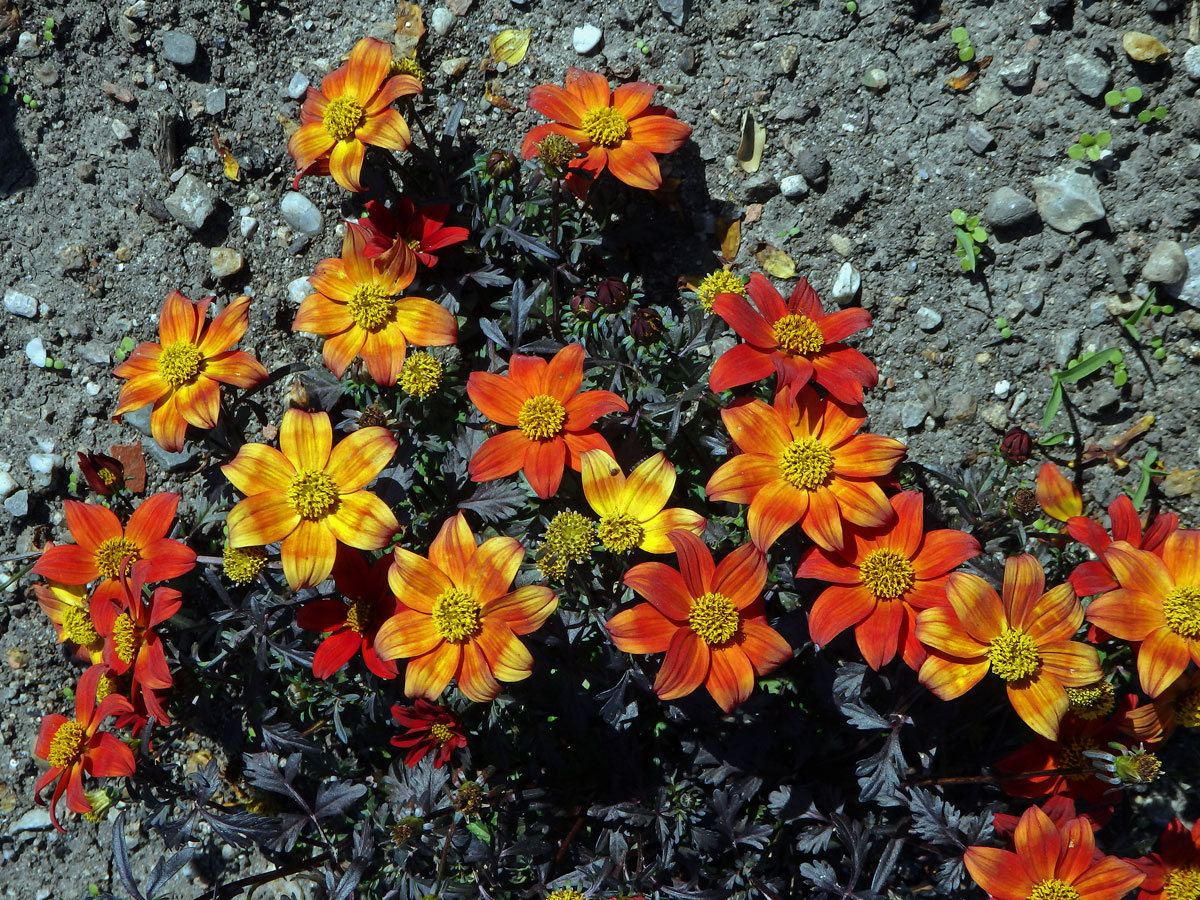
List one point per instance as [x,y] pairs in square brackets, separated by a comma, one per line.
[846,285]
[962,406]
[841,245]
[793,186]
[1191,63]
[442,21]
[1067,200]
[586,38]
[95,353]
[927,319]
[298,289]
[1087,74]
[1189,291]
[986,96]
[37,819]
[760,188]
[875,80]
[191,203]
[1032,301]
[995,416]
[789,59]
[674,10]
[912,414]
[1162,6]
[1006,208]
[215,101]
[225,261]
[71,258]
[247,225]
[179,47]
[1066,345]
[300,213]
[930,399]
[687,61]
[17,506]
[20,304]
[1041,21]
[27,44]
[298,86]
[813,165]
[7,485]
[979,139]
[35,350]
[1167,263]
[1019,74]
[120,130]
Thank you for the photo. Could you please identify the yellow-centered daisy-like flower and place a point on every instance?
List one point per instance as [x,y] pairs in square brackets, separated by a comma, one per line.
[631,509]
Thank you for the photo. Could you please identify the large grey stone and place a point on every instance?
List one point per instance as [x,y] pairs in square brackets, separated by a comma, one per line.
[979,139]
[1067,200]
[191,203]
[1007,208]
[20,304]
[1191,63]
[179,47]
[1167,263]
[300,213]
[1087,74]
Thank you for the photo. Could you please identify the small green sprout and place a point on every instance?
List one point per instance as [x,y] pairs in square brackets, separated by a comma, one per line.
[851,7]
[49,29]
[970,237]
[56,364]
[1150,116]
[1090,145]
[5,81]
[1124,98]
[1148,308]
[124,348]
[962,40]
[1003,327]
[643,46]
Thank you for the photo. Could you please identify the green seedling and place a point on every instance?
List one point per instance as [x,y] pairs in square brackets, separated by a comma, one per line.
[788,232]
[1125,98]
[124,348]
[1148,472]
[49,30]
[1148,308]
[851,7]
[643,46]
[970,237]
[5,81]
[1079,369]
[1149,116]
[1090,145]
[962,40]
[56,364]
[1003,327]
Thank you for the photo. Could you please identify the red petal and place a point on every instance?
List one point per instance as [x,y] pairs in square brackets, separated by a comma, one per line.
[544,464]
[741,364]
[836,609]
[695,562]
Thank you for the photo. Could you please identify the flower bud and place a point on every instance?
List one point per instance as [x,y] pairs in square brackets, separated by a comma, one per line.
[612,294]
[647,325]
[583,304]
[501,164]
[1016,446]
[104,474]
[556,152]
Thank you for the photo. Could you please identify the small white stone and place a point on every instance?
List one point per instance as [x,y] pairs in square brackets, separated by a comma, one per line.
[36,351]
[1002,388]
[298,289]
[248,226]
[442,21]
[928,319]
[27,44]
[44,463]
[846,285]
[120,130]
[300,213]
[20,304]
[298,86]
[91,389]
[793,186]
[586,38]
[7,485]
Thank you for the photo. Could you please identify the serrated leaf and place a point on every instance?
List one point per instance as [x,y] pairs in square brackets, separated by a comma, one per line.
[510,45]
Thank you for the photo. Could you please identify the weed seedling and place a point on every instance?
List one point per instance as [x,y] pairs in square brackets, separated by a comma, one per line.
[124,348]
[851,7]
[1123,99]
[1076,371]
[49,29]
[1148,308]
[1003,327]
[643,46]
[5,81]
[1090,145]
[962,40]
[1151,116]
[970,237]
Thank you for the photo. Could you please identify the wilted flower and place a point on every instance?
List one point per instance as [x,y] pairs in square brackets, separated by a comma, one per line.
[1127,765]
[722,281]
[243,564]
[569,538]
[1016,446]
[404,231]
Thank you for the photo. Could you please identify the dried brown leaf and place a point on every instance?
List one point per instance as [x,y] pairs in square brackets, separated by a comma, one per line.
[775,261]
[750,150]
[730,236]
[410,28]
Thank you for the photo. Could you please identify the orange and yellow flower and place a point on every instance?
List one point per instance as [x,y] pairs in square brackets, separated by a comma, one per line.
[1157,604]
[66,606]
[708,619]
[1178,705]
[358,308]
[352,109]
[1057,497]
[796,340]
[181,375]
[1024,637]
[553,421]
[1093,576]
[311,495]
[1173,873]
[881,580]
[618,130]
[457,617]
[801,461]
[631,511]
[1051,862]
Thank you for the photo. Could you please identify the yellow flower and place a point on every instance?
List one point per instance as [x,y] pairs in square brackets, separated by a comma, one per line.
[631,510]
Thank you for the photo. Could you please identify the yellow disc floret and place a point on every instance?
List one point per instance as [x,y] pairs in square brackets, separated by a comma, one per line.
[440,732]
[77,626]
[358,615]
[721,281]
[125,637]
[886,573]
[1182,884]
[620,533]
[456,616]
[1093,701]
[1181,609]
[67,744]
[569,538]
[806,464]
[370,306]
[313,494]
[1053,889]
[112,553]
[714,618]
[1187,708]
[180,363]
[541,417]
[1068,756]
[342,118]
[564,894]
[1014,655]
[242,564]
[407,66]
[798,335]
[605,126]
[421,374]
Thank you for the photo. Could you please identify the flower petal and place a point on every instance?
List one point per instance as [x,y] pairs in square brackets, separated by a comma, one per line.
[416,581]
[1057,496]
[498,397]
[740,364]
[428,675]
[1073,663]
[867,456]
[649,487]
[407,633]
[658,134]
[976,605]
[730,676]
[1129,615]
[655,532]
[741,575]
[741,478]
[261,519]
[642,629]
[499,456]
[507,657]
[1038,843]
[235,367]
[837,608]
[1041,701]
[345,164]
[763,645]
[685,666]
[362,520]
[748,323]
[1161,659]
[426,323]
[306,439]
[1024,583]
[603,483]
[544,463]
[633,164]
[525,610]
[199,402]
[775,509]
[91,524]
[879,635]
[948,677]
[307,553]
[361,456]
[999,872]
[591,88]
[1181,554]
[940,629]
[258,468]
[386,129]
[370,62]
[756,428]
[942,551]
[631,99]
[474,676]
[663,586]
[695,563]
[309,143]
[493,568]
[556,103]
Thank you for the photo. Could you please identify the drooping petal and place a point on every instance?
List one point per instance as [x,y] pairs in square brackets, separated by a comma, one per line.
[362,520]
[1041,702]
[823,520]
[307,553]
[199,402]
[544,463]
[309,143]
[730,676]
[235,367]
[947,677]
[1073,663]
[775,509]
[167,426]
[499,456]
[429,674]
[345,164]
[642,629]
[361,456]
[658,134]
[878,635]
[1057,496]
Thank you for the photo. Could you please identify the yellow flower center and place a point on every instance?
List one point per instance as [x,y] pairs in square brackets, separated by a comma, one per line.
[407,66]
[1187,708]
[569,538]
[242,564]
[565,894]
[1053,889]
[107,684]
[806,464]
[721,281]
[108,476]
[370,307]
[342,118]
[1068,755]
[886,573]
[313,494]
[67,744]
[180,363]
[358,616]
[714,618]
[620,533]
[1182,884]
[125,637]
[1181,609]
[541,417]
[77,626]
[112,552]
[421,374]
[414,244]
[456,616]
[1093,701]
[799,335]
[1014,655]
[557,151]
[440,732]
[605,126]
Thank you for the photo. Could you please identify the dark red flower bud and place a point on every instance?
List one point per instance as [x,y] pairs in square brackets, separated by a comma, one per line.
[647,325]
[583,304]
[501,164]
[104,474]
[612,294]
[1016,446]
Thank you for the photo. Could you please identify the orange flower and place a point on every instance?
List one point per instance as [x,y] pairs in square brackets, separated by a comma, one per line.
[796,339]
[75,747]
[1178,705]
[553,420]
[353,109]
[631,511]
[1174,872]
[457,617]
[180,374]
[102,546]
[618,130]
[1024,638]
[709,620]
[1157,603]
[310,496]
[1076,736]
[1051,862]
[881,580]
[1057,497]
[802,462]
[1093,577]
[66,606]
[357,308]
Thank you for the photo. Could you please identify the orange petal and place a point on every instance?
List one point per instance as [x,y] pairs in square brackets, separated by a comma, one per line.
[839,607]
[764,646]
[775,509]
[261,519]
[360,456]
[823,520]
[453,549]
[167,426]
[497,397]
[177,322]
[730,676]
[152,519]
[603,484]
[999,872]
[867,455]
[386,129]
[740,479]
[307,553]
[556,103]
[499,456]
[425,322]
[474,677]
[525,610]
[1024,582]
[664,587]
[227,328]
[940,629]
[880,635]
[507,657]
[564,373]
[741,575]
[635,165]
[756,428]
[649,487]
[427,676]
[362,520]
[658,134]
[91,524]
[1057,496]
[332,279]
[948,678]
[1071,662]
[862,503]
[320,315]
[1038,843]
[1108,879]
[306,439]
[393,89]
[340,349]
[695,563]
[1041,701]
[976,606]
[235,367]
[655,532]
[941,551]
[139,391]
[199,402]
[1181,554]
[407,633]
[345,164]
[1129,615]
[590,87]
[685,667]
[631,99]
[416,581]
[1161,659]
[493,568]
[544,463]
[370,61]
[1056,616]
[309,143]
[258,468]
[1139,570]
[642,629]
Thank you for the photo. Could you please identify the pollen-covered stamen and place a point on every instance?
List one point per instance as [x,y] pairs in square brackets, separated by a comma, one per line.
[125,638]
[115,553]
[1014,655]
[620,533]
[721,281]
[541,417]
[1187,708]
[714,618]
[77,626]
[886,573]
[1182,884]
[67,744]
[806,464]
[370,306]
[605,126]
[1068,756]
[414,244]
[358,615]
[456,616]
[313,494]
[1181,609]
[242,564]
[342,118]
[1053,889]
[798,335]
[180,363]
[440,732]
[421,374]
[1093,701]
[108,684]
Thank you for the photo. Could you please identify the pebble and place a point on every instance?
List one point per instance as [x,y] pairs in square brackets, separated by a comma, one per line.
[979,139]
[845,285]
[912,414]
[1067,200]
[179,47]
[962,406]
[1032,301]
[1020,73]
[1066,345]
[17,506]
[1087,74]
[215,101]
[248,225]
[1189,291]
[7,485]
[995,415]
[442,21]
[71,258]
[586,38]
[120,130]
[298,289]
[298,86]
[1167,263]
[20,304]
[455,65]
[191,203]
[841,245]
[813,165]
[300,213]
[986,96]
[789,59]
[27,44]
[875,80]
[793,186]
[1002,388]
[1191,63]
[43,466]
[927,319]
[225,261]
[1006,208]
[36,351]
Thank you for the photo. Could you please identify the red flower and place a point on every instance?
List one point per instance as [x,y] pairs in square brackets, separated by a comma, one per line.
[405,231]
[76,747]
[352,627]
[796,340]
[1075,735]
[1094,576]
[431,729]
[1174,872]
[1061,810]
[881,580]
